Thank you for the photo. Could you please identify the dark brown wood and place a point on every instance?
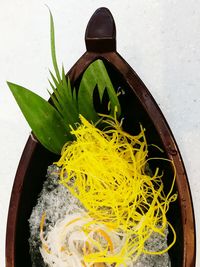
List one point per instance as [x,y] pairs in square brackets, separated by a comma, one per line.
[138,105]
[101,38]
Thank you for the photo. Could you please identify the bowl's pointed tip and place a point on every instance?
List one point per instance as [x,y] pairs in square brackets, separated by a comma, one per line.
[100,35]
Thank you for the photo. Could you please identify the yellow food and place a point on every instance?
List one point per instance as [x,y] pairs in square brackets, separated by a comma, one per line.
[107,171]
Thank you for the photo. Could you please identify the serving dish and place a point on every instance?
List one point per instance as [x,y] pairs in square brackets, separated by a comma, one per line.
[137,105]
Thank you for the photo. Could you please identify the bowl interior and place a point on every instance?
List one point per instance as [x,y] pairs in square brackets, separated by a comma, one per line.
[133,113]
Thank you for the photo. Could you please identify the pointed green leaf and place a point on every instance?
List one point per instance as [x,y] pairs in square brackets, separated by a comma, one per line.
[55,102]
[66,84]
[53,49]
[43,118]
[68,96]
[65,103]
[95,75]
[67,92]
[55,97]
[57,89]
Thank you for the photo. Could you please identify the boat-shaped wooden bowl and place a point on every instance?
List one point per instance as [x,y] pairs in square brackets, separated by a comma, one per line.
[138,106]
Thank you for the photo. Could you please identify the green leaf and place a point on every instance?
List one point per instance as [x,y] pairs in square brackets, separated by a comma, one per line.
[51,124]
[57,89]
[53,49]
[55,102]
[96,75]
[65,99]
[43,118]
[62,98]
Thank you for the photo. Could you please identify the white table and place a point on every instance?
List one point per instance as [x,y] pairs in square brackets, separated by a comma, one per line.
[159,39]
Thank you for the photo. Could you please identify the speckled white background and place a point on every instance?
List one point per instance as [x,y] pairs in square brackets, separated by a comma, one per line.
[160,39]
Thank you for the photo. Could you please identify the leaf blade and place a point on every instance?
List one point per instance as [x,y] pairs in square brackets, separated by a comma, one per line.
[53,48]
[43,118]
[96,75]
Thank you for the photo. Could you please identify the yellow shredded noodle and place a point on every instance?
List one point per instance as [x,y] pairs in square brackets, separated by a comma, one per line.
[107,171]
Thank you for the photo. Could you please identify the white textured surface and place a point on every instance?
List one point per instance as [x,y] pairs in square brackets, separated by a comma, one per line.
[159,39]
